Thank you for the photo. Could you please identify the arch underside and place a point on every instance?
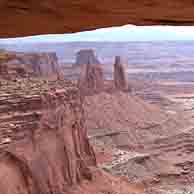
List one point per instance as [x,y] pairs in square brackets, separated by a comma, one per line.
[32,17]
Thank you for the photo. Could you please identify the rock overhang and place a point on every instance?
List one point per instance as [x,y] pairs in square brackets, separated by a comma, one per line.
[25,18]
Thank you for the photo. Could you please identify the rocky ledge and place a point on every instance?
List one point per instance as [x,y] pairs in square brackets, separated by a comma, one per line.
[44,146]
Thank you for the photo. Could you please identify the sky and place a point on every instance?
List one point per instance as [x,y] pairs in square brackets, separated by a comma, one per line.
[122,33]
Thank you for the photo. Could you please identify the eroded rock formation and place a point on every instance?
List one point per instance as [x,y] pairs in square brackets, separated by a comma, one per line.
[22,18]
[126,121]
[14,64]
[91,79]
[86,56]
[120,77]
[55,153]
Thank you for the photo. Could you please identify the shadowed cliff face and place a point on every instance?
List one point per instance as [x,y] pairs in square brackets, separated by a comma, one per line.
[22,18]
[86,56]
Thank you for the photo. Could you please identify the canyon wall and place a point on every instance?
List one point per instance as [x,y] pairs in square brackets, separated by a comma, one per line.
[43,140]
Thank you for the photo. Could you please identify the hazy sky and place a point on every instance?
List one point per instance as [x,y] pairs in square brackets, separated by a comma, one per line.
[123,33]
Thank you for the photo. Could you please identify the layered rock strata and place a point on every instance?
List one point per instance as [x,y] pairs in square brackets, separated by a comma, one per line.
[44,145]
[17,64]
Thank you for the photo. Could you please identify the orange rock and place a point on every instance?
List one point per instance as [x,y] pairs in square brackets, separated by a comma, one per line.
[68,16]
[91,79]
[55,156]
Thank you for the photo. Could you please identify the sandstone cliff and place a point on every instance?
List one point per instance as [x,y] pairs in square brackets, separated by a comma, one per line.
[43,142]
[120,77]
[86,56]
[91,79]
[48,147]
[15,64]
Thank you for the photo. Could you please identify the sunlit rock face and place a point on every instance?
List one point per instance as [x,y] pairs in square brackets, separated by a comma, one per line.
[86,56]
[120,76]
[43,138]
[91,79]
